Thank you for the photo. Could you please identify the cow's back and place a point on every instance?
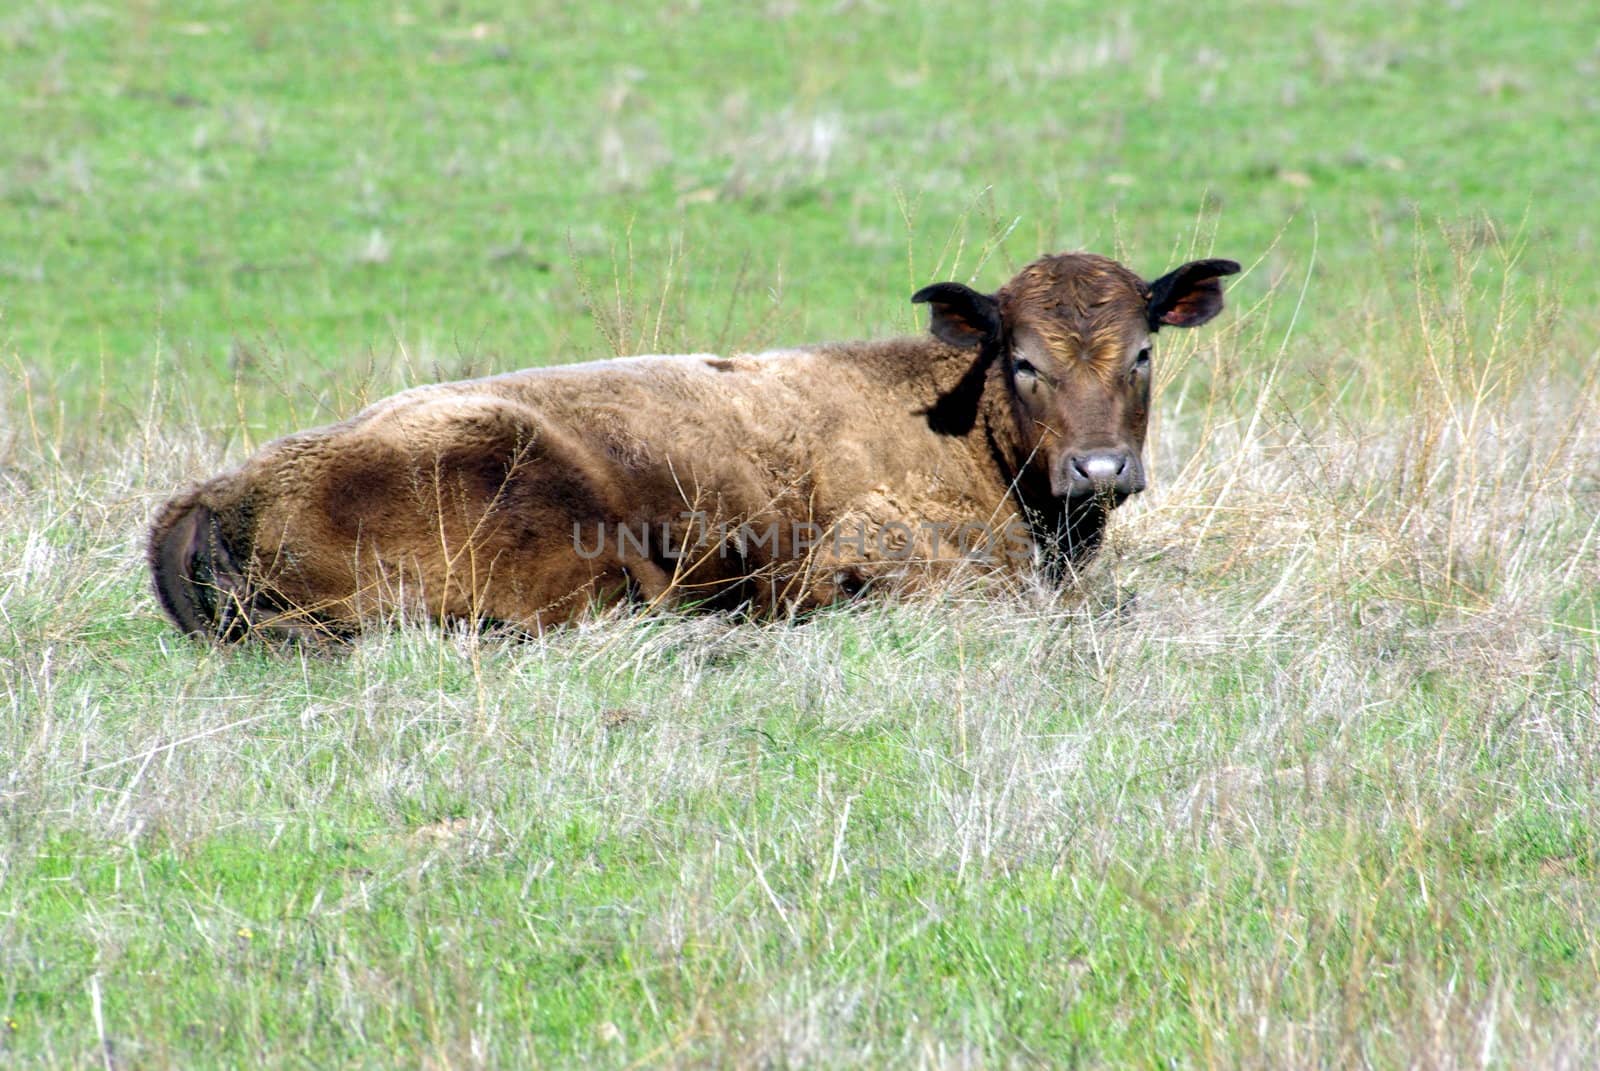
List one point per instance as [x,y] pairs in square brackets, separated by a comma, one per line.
[528,496]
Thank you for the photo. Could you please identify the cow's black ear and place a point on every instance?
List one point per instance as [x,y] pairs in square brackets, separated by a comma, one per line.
[961,316]
[1190,295]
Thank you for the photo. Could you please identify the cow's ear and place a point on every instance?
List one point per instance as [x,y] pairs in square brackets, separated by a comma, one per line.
[961,316]
[1189,296]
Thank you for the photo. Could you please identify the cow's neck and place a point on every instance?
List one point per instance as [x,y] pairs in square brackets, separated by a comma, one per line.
[962,395]
[1004,449]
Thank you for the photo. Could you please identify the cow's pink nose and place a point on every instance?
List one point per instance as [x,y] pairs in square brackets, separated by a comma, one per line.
[1101,472]
[1099,468]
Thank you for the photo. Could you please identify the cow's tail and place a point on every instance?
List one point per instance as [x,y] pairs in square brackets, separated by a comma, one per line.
[198,578]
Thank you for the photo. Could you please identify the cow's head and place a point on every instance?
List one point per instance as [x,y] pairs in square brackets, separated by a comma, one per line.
[1073,335]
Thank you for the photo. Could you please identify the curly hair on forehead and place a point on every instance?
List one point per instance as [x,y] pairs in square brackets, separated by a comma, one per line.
[1077,300]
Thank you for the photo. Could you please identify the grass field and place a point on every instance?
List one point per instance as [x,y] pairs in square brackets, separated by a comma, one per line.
[1306,773]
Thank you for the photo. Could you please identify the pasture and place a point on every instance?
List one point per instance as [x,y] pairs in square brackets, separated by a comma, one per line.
[1305,773]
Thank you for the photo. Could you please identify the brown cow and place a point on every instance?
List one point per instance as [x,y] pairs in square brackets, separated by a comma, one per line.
[770,482]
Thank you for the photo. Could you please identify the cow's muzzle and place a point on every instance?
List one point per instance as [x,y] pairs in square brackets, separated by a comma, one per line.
[1100,473]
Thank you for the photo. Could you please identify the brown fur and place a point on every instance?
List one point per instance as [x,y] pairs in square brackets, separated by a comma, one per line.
[1078,301]
[480,500]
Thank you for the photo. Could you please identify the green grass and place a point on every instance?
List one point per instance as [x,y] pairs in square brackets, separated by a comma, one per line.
[1304,774]
[291,199]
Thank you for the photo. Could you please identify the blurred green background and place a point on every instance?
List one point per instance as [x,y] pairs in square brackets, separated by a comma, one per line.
[276,209]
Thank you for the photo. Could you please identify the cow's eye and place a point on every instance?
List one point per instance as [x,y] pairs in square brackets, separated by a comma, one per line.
[1143,360]
[1025,368]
